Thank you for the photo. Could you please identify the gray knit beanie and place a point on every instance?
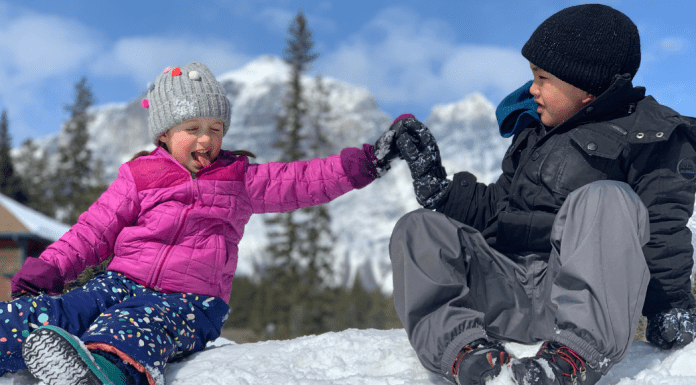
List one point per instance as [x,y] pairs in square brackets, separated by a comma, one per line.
[182,93]
[586,46]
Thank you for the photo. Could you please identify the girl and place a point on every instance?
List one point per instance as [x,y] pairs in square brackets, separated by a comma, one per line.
[172,220]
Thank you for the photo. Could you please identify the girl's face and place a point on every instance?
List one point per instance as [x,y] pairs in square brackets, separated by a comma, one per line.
[558,100]
[195,143]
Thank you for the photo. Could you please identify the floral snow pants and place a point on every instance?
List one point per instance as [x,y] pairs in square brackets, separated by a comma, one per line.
[114,314]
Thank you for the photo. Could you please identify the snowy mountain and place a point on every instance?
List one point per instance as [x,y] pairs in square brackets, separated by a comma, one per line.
[376,357]
[362,221]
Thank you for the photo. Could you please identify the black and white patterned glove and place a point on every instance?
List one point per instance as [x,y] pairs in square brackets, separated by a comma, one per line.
[418,147]
[385,148]
[672,329]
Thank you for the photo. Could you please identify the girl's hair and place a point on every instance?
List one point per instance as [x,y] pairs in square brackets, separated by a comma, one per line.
[237,152]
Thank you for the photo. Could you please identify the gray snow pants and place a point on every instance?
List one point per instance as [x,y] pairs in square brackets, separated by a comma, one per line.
[451,288]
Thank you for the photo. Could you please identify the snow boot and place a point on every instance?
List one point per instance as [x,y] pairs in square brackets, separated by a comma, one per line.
[555,364]
[56,357]
[478,362]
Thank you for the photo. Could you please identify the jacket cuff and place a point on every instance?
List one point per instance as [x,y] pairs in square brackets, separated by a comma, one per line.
[359,165]
[463,187]
[403,116]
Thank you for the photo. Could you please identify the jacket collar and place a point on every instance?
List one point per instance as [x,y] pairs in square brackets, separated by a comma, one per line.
[225,158]
[518,110]
[618,100]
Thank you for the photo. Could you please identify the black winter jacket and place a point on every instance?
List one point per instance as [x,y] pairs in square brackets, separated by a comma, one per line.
[622,135]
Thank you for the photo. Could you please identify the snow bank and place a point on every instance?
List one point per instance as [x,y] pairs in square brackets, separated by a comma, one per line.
[376,357]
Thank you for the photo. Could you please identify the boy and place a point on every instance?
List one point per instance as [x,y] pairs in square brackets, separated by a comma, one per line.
[585,227]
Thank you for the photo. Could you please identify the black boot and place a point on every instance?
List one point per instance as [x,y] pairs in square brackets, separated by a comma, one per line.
[479,361]
[555,364]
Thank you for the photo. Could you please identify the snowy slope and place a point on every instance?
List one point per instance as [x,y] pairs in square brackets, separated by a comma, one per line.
[375,357]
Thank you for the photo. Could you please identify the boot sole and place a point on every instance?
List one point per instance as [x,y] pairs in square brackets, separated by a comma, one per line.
[56,358]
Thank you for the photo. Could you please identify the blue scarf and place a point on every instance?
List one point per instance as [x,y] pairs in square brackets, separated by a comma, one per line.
[516,111]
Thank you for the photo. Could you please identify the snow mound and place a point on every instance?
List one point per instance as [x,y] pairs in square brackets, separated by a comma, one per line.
[375,357]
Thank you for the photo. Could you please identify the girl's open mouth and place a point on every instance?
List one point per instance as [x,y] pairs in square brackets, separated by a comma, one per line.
[201,158]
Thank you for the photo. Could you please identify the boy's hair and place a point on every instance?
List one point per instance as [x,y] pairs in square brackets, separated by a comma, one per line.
[182,93]
[586,46]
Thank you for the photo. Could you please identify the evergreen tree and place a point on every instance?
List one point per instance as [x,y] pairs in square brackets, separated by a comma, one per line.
[300,242]
[10,183]
[76,187]
[37,181]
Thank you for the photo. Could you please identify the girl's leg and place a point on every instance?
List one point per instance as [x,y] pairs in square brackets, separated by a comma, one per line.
[73,312]
[147,331]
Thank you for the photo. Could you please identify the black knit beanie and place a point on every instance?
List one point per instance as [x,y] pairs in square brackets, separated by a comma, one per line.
[586,46]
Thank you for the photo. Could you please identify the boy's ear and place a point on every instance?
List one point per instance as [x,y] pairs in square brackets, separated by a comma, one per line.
[589,98]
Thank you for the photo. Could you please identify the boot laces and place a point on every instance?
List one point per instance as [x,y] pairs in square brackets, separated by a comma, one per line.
[503,359]
[577,364]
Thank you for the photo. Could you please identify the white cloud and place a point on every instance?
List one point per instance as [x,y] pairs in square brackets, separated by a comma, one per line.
[402,58]
[38,47]
[38,57]
[673,44]
[42,56]
[142,58]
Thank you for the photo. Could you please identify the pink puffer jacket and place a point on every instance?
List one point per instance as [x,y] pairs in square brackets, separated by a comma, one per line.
[174,232]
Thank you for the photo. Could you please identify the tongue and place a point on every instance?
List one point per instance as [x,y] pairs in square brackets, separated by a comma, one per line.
[202,159]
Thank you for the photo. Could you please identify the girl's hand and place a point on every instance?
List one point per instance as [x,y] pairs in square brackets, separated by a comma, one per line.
[37,277]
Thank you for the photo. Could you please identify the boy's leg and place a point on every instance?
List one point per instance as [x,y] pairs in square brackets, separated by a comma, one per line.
[147,331]
[451,288]
[597,275]
[73,312]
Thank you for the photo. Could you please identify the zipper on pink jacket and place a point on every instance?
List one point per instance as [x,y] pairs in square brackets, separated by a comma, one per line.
[178,233]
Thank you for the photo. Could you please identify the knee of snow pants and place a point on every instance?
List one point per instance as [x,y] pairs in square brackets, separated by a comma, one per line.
[150,330]
[598,275]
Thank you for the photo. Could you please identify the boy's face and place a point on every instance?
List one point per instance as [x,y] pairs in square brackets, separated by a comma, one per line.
[557,100]
[195,143]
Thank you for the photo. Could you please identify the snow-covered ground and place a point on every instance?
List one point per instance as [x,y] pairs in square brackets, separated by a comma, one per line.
[376,357]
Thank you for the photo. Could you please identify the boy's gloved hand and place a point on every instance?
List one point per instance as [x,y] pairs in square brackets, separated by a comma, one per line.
[672,329]
[385,148]
[418,147]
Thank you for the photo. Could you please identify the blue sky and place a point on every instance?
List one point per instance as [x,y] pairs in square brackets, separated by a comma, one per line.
[411,55]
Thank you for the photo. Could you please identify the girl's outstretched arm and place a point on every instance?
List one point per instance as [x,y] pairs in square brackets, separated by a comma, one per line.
[278,187]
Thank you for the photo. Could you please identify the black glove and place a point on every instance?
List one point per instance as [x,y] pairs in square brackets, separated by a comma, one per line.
[385,148]
[418,147]
[673,329]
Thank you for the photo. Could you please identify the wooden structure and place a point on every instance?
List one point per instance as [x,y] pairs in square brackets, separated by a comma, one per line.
[24,233]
